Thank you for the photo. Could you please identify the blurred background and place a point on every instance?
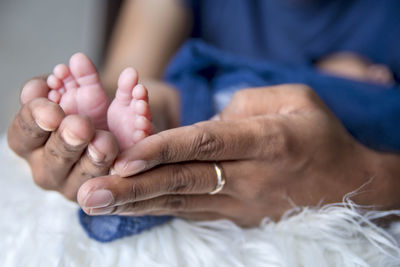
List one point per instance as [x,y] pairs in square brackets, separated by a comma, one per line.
[37,35]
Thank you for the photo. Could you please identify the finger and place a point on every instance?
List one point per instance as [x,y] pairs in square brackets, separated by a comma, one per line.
[31,127]
[189,178]
[33,89]
[202,216]
[280,99]
[170,204]
[96,161]
[64,148]
[206,141]
[193,216]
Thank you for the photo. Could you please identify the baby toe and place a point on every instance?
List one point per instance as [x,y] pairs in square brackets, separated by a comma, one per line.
[142,108]
[142,123]
[83,69]
[139,135]
[126,82]
[54,96]
[61,71]
[53,82]
[140,93]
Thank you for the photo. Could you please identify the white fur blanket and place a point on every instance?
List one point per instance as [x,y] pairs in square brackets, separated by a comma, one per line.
[39,228]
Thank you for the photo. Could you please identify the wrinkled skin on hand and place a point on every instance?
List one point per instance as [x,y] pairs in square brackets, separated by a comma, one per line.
[278,147]
[62,151]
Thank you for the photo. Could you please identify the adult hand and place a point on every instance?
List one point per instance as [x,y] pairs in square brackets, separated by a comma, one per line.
[62,151]
[278,147]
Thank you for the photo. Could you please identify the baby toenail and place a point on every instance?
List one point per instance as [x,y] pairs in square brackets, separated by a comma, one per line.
[95,155]
[99,199]
[70,138]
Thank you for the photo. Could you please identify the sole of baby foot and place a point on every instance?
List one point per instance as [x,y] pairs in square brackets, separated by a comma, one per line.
[129,117]
[78,90]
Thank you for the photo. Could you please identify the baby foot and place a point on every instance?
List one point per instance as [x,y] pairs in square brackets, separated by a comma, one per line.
[78,90]
[129,116]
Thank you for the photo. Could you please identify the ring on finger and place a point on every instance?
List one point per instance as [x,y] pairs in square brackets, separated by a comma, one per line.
[220,179]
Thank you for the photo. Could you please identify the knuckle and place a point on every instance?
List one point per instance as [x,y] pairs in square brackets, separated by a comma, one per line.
[138,190]
[182,179]
[206,145]
[131,207]
[58,157]
[30,129]
[275,142]
[166,153]
[86,173]
[305,92]
[241,100]
[45,182]
[175,202]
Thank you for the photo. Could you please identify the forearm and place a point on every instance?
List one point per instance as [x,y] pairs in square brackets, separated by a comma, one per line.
[147,34]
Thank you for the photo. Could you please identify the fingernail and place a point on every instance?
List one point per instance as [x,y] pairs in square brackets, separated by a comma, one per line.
[43,126]
[99,199]
[130,168]
[101,211]
[95,155]
[70,138]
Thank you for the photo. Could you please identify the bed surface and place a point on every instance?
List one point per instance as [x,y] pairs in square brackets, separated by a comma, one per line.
[40,228]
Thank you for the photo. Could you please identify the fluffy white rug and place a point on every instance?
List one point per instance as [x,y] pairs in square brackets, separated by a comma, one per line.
[40,228]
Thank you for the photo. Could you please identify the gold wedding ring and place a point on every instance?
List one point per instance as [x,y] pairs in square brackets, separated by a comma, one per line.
[220,179]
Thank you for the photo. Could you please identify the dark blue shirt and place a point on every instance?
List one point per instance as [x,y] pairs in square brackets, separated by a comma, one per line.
[301,31]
